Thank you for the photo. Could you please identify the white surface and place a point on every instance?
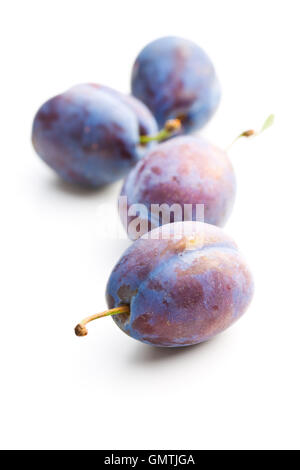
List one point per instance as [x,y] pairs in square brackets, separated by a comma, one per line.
[240,390]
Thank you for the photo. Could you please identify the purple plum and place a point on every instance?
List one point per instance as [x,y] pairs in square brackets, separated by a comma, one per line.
[90,135]
[176,79]
[184,170]
[182,284]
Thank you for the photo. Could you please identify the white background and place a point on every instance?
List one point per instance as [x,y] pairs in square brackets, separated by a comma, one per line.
[240,390]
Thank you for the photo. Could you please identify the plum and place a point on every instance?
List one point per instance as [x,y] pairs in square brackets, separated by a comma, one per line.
[176,79]
[178,285]
[90,135]
[184,170]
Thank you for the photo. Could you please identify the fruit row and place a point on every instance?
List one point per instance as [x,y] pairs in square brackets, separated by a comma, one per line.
[166,290]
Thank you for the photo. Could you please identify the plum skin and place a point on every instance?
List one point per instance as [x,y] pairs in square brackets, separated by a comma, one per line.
[180,294]
[176,79]
[183,170]
[90,134]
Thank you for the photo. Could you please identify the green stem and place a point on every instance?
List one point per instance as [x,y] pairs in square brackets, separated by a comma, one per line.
[171,127]
[80,329]
[161,135]
[251,133]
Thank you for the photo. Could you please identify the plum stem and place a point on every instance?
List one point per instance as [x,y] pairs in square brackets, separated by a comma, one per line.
[81,330]
[251,133]
[171,126]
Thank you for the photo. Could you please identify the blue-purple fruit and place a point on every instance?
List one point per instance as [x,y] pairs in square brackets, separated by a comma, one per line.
[90,134]
[176,79]
[183,171]
[180,290]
